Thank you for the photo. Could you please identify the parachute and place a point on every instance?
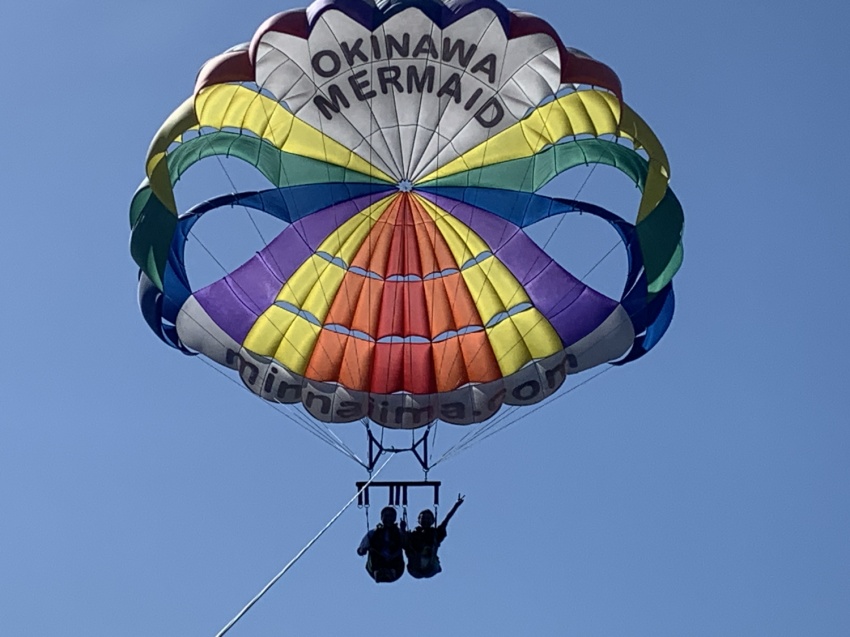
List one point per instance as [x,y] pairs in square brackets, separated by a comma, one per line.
[405,143]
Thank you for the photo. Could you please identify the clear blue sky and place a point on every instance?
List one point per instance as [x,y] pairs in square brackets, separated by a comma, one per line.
[704,490]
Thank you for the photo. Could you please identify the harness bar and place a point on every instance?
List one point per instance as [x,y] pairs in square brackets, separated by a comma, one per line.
[397,491]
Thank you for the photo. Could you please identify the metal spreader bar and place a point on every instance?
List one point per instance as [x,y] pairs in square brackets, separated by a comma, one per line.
[419,449]
[397,491]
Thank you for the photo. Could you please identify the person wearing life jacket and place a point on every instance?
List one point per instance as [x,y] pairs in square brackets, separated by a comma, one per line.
[384,546]
[421,544]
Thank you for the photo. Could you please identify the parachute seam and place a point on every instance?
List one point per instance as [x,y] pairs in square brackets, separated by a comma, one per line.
[460,446]
[262,315]
[296,112]
[422,213]
[380,300]
[372,121]
[480,292]
[490,133]
[366,219]
[460,281]
[401,168]
[469,438]
[406,290]
[408,167]
[441,146]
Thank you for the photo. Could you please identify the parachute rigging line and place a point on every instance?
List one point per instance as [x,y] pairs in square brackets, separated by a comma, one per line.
[324,435]
[263,239]
[498,424]
[235,191]
[485,432]
[505,419]
[307,547]
[407,286]
[314,428]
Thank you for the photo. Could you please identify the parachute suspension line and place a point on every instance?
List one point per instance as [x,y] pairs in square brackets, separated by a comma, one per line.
[361,503]
[209,252]
[235,190]
[265,243]
[578,192]
[499,423]
[312,427]
[243,206]
[298,555]
[225,271]
[366,507]
[487,432]
[475,433]
[480,292]
[326,436]
[468,439]
[458,355]
[598,263]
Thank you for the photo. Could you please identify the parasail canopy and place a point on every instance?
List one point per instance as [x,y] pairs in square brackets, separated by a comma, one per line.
[405,144]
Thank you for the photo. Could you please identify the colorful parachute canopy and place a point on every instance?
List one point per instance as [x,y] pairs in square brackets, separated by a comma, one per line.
[405,142]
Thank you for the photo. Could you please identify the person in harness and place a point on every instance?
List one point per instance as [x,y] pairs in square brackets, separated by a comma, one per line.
[384,546]
[421,544]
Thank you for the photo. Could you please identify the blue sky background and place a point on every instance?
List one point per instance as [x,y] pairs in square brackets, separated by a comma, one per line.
[704,490]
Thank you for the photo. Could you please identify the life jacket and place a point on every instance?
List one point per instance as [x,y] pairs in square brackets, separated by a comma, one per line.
[385,562]
[386,542]
[422,558]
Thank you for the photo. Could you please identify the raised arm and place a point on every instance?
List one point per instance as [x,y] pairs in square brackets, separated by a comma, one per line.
[451,512]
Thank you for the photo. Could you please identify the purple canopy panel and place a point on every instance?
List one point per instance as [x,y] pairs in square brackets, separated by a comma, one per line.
[573,308]
[494,230]
[237,300]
